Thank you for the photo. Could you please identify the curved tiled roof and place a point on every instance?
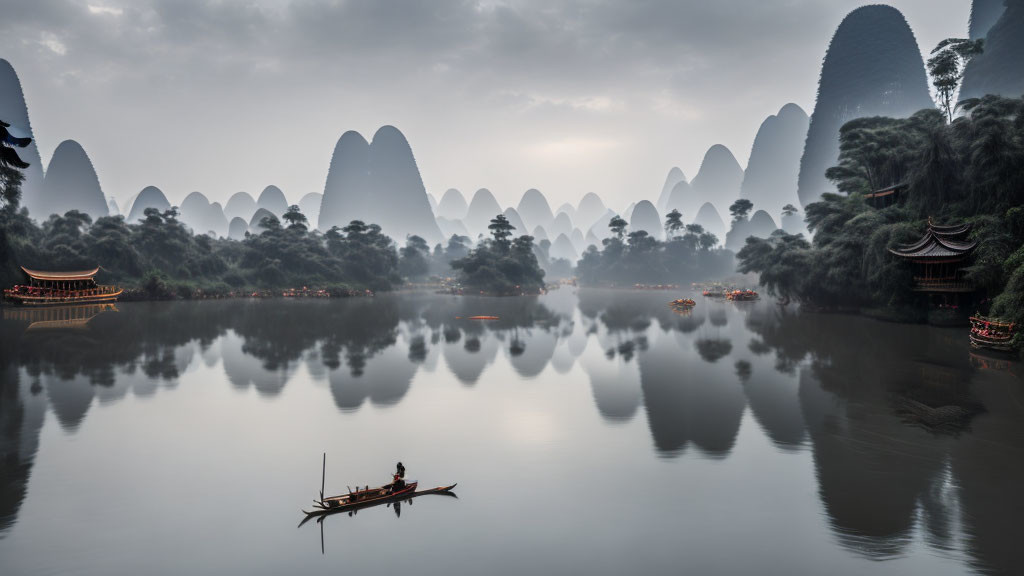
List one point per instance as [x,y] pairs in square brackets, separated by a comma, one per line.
[938,242]
[79,275]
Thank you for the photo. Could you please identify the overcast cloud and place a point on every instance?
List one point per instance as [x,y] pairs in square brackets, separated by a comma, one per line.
[567,97]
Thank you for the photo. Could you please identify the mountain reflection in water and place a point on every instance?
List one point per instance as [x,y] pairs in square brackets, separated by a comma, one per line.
[909,441]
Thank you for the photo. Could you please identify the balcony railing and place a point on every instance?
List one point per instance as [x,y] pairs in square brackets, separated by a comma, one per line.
[942,285]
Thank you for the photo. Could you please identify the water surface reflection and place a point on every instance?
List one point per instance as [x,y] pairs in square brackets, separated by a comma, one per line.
[917,453]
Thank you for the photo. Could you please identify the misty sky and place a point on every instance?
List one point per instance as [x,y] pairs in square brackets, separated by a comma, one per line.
[567,97]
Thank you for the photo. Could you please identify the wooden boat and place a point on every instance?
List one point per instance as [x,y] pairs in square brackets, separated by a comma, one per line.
[358,499]
[61,288]
[992,334]
[370,498]
[683,303]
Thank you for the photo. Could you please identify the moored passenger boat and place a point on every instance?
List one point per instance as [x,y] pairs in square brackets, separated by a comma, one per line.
[992,333]
[54,288]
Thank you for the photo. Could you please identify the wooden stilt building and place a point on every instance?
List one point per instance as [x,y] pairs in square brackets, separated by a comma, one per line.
[939,258]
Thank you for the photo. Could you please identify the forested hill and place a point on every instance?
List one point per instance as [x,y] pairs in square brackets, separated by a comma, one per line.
[970,170]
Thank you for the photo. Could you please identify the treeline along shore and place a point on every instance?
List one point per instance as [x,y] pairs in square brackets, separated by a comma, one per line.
[967,173]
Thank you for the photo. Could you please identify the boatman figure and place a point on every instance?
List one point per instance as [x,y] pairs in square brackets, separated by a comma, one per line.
[399,482]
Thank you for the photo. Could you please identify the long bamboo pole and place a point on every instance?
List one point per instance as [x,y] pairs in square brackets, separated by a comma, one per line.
[323,477]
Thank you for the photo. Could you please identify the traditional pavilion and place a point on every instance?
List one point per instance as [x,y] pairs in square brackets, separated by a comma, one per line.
[939,258]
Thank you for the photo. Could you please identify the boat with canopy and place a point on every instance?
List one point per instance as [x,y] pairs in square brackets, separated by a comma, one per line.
[56,288]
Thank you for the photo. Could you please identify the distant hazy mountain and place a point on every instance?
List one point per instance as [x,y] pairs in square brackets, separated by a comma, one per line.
[347,192]
[112,208]
[718,181]
[645,217]
[433,203]
[515,220]
[539,234]
[770,180]
[708,217]
[192,211]
[237,228]
[255,224]
[600,227]
[149,197]
[450,227]
[453,205]
[682,198]
[760,225]
[14,111]
[873,67]
[1000,68]
[562,248]
[378,183]
[240,205]
[562,224]
[481,210]
[273,200]
[534,209]
[201,216]
[70,184]
[984,14]
[567,209]
[310,207]
[589,210]
[675,176]
[592,240]
[578,241]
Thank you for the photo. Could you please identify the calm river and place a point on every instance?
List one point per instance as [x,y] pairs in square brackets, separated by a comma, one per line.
[590,432]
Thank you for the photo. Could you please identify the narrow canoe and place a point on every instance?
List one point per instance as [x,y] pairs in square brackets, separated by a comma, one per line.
[406,493]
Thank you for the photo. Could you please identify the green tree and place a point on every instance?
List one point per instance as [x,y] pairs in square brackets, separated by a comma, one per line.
[781,261]
[740,209]
[413,258]
[947,64]
[458,247]
[295,218]
[707,241]
[618,226]
[674,223]
[501,230]
[789,210]
[11,167]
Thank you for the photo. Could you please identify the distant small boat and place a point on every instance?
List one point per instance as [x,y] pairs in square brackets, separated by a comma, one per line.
[742,295]
[683,303]
[483,318]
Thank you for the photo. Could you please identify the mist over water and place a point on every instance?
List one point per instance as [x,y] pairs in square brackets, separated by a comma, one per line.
[590,431]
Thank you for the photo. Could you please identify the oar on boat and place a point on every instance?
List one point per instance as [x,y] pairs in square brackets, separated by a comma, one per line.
[323,478]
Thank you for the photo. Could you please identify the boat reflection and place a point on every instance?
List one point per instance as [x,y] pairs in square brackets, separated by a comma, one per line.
[57,317]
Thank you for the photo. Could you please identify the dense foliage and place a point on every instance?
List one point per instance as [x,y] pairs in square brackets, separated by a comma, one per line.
[161,257]
[501,265]
[629,258]
[969,170]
